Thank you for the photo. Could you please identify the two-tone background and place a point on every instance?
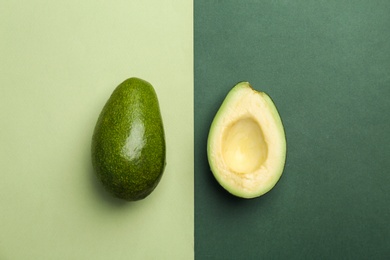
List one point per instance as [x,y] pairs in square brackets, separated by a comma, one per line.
[326,64]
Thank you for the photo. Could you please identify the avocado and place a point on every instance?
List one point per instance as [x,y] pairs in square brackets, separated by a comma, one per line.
[128,142]
[246,145]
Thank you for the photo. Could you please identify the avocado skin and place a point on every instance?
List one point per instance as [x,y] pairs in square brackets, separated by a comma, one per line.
[128,143]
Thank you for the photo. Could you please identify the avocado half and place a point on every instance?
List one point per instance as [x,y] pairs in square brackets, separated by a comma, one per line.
[246,145]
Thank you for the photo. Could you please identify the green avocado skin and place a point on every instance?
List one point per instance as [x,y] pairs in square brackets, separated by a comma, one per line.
[128,143]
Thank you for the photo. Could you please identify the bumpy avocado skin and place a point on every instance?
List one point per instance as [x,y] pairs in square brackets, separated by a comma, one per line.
[128,143]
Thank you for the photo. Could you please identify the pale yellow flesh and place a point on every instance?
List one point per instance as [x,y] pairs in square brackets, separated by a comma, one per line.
[246,143]
[243,146]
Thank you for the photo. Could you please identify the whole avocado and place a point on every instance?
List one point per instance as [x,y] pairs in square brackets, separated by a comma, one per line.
[128,143]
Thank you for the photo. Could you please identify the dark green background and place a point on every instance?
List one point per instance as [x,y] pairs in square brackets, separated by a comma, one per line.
[326,64]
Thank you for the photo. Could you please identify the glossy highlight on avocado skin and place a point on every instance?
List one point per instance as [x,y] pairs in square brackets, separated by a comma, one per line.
[128,144]
[135,142]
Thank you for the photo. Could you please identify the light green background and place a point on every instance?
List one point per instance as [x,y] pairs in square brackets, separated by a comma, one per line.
[60,61]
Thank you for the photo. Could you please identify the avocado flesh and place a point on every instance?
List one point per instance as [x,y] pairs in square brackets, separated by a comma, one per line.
[128,143]
[246,144]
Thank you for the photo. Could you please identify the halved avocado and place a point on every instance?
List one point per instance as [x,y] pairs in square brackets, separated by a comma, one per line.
[246,144]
